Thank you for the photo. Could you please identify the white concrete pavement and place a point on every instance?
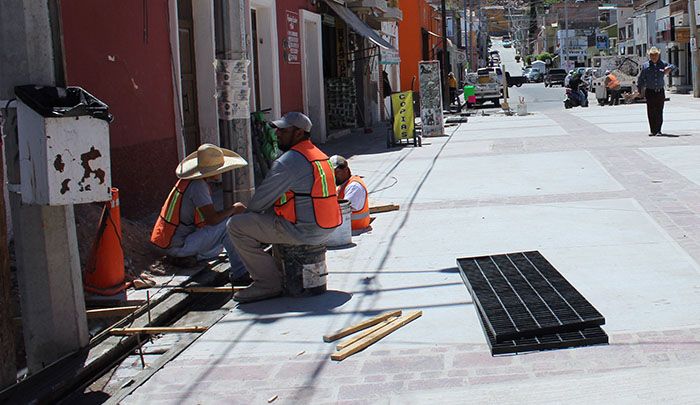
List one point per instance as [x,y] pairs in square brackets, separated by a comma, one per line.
[615,211]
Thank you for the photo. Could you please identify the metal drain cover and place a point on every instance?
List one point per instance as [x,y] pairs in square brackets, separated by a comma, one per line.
[522,296]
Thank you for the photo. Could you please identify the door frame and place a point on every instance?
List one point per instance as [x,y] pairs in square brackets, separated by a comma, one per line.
[304,16]
[266,10]
[205,74]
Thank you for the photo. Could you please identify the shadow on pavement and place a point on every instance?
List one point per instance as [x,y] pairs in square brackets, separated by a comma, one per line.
[323,303]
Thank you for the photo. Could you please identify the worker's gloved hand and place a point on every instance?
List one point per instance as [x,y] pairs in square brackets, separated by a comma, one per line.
[238,208]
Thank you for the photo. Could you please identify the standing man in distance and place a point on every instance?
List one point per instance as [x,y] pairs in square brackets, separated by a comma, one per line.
[296,204]
[650,83]
[353,189]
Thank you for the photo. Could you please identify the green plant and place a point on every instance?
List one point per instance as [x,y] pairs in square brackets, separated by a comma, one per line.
[545,56]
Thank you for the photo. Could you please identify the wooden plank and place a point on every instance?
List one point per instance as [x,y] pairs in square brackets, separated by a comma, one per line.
[360,326]
[375,336]
[383,208]
[157,330]
[204,289]
[111,312]
[364,333]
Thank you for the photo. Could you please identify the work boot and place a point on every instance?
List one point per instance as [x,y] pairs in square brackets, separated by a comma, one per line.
[241,281]
[256,293]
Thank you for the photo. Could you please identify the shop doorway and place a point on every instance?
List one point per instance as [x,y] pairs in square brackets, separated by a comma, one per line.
[265,58]
[188,75]
[312,73]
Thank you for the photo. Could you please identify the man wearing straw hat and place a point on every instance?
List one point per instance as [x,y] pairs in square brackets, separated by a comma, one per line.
[296,204]
[189,227]
[651,85]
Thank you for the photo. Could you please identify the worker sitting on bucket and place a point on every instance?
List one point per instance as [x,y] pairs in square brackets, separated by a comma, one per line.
[295,204]
[353,189]
[189,227]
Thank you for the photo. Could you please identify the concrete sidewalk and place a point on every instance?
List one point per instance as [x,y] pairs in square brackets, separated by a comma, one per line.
[616,211]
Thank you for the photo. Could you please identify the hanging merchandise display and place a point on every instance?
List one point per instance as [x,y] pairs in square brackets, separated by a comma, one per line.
[430,98]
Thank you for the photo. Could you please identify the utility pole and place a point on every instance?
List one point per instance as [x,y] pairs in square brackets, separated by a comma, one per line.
[467,31]
[46,245]
[472,66]
[694,48]
[8,369]
[564,49]
[445,68]
[235,134]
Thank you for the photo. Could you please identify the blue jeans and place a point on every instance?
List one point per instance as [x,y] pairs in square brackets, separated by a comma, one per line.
[206,243]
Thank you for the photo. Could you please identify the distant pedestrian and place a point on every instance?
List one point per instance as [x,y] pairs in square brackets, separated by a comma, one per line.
[651,84]
[452,84]
[612,84]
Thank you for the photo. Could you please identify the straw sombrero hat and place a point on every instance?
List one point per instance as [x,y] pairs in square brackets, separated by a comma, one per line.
[208,160]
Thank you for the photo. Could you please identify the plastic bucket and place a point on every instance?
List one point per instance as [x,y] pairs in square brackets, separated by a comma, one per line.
[304,269]
[342,235]
[469,91]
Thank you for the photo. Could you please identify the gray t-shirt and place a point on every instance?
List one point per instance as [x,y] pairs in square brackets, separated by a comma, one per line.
[198,194]
[291,171]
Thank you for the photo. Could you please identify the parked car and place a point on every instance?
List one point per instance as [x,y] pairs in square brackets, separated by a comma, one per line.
[534,76]
[554,76]
[507,43]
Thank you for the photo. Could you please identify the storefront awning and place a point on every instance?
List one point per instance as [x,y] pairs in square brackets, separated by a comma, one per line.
[358,25]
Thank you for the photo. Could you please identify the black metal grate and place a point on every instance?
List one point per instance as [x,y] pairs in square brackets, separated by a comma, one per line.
[521,295]
[584,337]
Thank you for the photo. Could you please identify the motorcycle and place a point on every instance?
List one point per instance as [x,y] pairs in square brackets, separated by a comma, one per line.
[576,100]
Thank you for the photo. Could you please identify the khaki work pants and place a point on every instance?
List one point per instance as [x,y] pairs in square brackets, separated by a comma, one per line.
[251,233]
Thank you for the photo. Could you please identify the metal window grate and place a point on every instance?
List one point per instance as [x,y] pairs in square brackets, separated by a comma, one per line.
[521,295]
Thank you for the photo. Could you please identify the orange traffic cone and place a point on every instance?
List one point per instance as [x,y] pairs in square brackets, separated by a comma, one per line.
[104,273]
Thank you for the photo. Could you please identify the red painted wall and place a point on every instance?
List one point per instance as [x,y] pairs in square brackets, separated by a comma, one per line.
[108,53]
[291,91]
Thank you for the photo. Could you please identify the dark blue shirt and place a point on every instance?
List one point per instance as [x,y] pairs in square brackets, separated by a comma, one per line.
[652,75]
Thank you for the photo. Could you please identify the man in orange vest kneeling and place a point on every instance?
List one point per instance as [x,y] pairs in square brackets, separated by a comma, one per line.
[353,189]
[189,227]
[296,204]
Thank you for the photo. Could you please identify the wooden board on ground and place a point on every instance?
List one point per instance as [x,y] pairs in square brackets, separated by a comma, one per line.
[111,312]
[360,326]
[364,333]
[383,208]
[157,330]
[205,289]
[375,336]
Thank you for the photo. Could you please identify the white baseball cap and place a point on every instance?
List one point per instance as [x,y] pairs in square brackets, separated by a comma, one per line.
[338,162]
[293,119]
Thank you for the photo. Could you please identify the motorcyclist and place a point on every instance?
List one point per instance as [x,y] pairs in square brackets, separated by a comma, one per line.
[576,92]
[568,78]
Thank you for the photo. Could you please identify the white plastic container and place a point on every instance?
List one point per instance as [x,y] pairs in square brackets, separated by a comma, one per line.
[342,235]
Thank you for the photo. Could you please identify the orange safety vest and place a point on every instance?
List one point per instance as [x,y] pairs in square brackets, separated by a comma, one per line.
[323,195]
[169,218]
[360,218]
[614,83]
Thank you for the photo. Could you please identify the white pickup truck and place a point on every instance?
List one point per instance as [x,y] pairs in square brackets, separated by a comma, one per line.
[625,68]
[486,87]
